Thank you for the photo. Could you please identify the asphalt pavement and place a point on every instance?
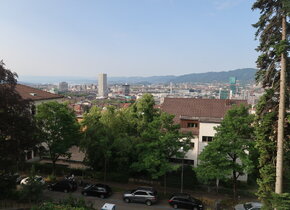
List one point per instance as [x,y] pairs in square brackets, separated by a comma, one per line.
[116,198]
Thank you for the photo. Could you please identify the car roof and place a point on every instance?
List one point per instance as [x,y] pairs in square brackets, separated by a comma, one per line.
[146,188]
[101,185]
[256,204]
[180,194]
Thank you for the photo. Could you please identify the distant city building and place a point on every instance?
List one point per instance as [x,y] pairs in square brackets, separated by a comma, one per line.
[126,89]
[233,85]
[63,86]
[102,85]
[223,94]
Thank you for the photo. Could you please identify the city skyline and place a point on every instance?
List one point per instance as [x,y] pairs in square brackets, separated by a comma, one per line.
[133,38]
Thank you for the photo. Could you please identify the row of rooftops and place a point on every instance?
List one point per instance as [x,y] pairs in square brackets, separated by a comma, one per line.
[209,110]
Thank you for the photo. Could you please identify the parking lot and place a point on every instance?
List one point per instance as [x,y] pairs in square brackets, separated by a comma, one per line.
[116,198]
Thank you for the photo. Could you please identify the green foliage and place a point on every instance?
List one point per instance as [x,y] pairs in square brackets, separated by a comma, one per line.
[137,139]
[228,154]
[71,203]
[16,123]
[107,132]
[7,185]
[33,190]
[158,138]
[281,201]
[58,128]
[271,48]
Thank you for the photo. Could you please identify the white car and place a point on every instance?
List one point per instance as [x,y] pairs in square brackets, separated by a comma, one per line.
[249,206]
[108,206]
[36,178]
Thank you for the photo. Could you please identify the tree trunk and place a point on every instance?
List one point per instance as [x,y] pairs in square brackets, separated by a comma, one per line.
[53,167]
[234,184]
[280,137]
[105,170]
[217,185]
[165,184]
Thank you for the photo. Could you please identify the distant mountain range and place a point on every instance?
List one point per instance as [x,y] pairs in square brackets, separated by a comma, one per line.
[245,75]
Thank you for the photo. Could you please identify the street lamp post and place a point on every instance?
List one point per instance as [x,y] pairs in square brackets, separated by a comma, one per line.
[181,187]
[182,163]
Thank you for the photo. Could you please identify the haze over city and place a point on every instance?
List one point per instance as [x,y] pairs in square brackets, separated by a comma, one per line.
[126,38]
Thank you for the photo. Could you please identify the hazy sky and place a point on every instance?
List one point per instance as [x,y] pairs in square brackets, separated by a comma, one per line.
[126,37]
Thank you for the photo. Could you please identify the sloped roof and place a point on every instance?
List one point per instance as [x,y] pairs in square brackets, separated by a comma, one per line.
[198,108]
[34,94]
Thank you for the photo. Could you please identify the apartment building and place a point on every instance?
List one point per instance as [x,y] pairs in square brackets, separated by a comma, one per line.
[200,117]
[37,97]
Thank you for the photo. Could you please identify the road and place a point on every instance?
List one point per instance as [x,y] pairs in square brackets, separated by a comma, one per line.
[116,198]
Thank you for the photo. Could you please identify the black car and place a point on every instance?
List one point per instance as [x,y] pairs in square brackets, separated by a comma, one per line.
[147,195]
[100,190]
[185,201]
[63,186]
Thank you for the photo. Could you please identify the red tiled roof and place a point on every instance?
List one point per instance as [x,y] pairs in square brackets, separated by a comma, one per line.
[34,94]
[199,108]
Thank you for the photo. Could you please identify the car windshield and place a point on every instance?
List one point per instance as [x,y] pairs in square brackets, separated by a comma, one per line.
[88,186]
[38,179]
[248,205]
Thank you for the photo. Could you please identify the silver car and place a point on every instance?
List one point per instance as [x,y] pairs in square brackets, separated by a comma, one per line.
[147,195]
[249,206]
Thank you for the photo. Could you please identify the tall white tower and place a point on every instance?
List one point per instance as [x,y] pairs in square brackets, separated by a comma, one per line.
[102,85]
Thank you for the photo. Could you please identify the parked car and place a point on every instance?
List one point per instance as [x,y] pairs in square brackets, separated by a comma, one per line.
[147,195]
[108,206]
[185,201]
[100,190]
[249,206]
[36,178]
[63,186]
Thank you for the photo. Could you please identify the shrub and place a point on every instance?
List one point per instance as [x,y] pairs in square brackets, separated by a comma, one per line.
[32,191]
[71,203]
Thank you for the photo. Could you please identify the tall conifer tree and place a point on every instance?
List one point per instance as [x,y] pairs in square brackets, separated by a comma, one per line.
[273,74]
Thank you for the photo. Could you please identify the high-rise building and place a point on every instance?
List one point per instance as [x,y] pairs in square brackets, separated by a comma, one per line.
[63,86]
[233,85]
[126,89]
[102,85]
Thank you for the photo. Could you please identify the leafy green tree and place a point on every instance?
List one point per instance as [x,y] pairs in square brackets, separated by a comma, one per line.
[158,139]
[273,74]
[57,128]
[16,122]
[227,156]
[106,140]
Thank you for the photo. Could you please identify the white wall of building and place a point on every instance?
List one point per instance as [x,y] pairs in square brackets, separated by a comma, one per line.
[205,129]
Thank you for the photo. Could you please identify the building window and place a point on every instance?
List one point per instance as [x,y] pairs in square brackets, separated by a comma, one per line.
[192,125]
[192,144]
[207,138]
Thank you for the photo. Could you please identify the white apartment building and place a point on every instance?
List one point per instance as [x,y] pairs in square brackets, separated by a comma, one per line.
[102,85]
[200,117]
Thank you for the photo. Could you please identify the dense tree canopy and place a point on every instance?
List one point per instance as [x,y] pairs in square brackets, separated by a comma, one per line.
[16,122]
[58,129]
[106,139]
[228,154]
[138,139]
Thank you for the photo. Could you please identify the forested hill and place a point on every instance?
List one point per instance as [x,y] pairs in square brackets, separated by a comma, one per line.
[243,75]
